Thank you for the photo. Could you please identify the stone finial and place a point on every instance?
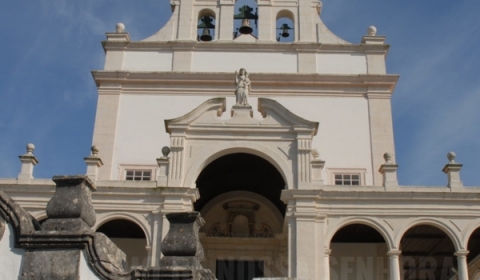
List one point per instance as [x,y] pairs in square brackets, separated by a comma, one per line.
[451,157]
[28,162]
[120,27]
[165,151]
[387,157]
[94,151]
[93,162]
[389,172]
[315,153]
[372,31]
[452,169]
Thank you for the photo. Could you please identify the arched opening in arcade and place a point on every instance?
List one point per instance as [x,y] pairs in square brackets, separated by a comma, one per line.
[358,251]
[129,237]
[427,253]
[244,233]
[473,257]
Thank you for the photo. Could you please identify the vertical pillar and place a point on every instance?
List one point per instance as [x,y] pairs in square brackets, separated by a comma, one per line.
[381,130]
[225,22]
[156,237]
[177,142]
[462,264]
[394,264]
[304,152]
[28,162]
[326,264]
[306,231]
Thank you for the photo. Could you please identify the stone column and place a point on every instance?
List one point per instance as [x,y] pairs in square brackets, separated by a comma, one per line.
[452,169]
[326,264]
[462,264]
[28,162]
[394,262]
[225,20]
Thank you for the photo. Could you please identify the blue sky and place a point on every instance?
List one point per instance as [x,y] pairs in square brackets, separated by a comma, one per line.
[48,97]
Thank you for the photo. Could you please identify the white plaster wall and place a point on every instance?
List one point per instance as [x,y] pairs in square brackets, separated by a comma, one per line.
[343,138]
[10,257]
[260,62]
[348,63]
[352,261]
[141,129]
[148,61]
[86,272]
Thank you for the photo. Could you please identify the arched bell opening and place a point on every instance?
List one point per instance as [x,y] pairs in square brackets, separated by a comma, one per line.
[358,251]
[129,237]
[285,28]
[245,16]
[427,253]
[206,25]
[243,235]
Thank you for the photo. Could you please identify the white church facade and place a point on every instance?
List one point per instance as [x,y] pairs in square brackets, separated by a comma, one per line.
[285,148]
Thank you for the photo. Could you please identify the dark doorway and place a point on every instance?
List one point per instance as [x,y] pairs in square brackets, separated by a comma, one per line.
[239,270]
[240,172]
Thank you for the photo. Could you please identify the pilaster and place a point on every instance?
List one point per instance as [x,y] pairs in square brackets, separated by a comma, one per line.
[225,21]
[381,130]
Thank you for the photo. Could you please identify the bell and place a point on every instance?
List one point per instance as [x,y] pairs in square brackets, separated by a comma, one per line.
[245,28]
[206,37]
[285,33]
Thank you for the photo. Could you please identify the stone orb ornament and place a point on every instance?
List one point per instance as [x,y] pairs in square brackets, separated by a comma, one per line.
[372,31]
[451,157]
[165,151]
[120,27]
[30,148]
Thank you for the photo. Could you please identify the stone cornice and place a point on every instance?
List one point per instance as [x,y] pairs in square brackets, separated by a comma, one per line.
[265,84]
[245,47]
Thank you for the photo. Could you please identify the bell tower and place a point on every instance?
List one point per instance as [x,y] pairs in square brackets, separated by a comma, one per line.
[303,14]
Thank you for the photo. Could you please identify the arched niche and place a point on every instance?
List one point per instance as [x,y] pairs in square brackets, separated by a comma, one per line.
[240,172]
[129,237]
[206,24]
[358,250]
[285,26]
[427,253]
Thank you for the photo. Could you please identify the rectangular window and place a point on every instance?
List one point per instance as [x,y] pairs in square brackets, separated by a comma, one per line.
[347,179]
[138,175]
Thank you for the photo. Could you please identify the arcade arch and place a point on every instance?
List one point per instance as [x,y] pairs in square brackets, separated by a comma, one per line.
[129,237]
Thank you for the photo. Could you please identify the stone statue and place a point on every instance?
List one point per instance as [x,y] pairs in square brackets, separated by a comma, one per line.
[243,87]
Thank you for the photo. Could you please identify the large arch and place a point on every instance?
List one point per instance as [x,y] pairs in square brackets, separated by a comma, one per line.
[240,172]
[106,217]
[274,157]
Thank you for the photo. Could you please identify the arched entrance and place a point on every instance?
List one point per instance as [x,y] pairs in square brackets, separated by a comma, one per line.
[427,253]
[240,202]
[473,257]
[129,237]
[358,251]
